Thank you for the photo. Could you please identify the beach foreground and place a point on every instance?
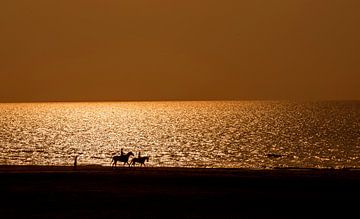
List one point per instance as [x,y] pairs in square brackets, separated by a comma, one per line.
[101,192]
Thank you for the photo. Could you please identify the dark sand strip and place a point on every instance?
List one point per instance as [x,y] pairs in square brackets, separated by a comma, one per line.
[102,192]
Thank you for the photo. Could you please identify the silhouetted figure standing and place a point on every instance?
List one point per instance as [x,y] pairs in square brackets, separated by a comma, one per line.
[122,152]
[75,162]
[139,155]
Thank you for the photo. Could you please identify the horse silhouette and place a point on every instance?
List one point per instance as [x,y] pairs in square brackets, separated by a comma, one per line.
[122,158]
[140,160]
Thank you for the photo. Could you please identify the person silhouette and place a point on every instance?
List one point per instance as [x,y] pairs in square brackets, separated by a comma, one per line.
[122,152]
[75,162]
[139,155]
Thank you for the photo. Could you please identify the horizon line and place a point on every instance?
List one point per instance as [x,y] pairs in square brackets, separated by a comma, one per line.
[182,100]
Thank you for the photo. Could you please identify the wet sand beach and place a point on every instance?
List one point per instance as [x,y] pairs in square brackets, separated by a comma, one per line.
[103,192]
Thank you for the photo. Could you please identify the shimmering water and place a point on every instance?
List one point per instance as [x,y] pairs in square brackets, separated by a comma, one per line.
[184,134]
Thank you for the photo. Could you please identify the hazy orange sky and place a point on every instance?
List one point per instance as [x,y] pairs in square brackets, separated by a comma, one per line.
[76,50]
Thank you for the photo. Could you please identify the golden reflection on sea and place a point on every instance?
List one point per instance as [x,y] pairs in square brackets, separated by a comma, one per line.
[184,134]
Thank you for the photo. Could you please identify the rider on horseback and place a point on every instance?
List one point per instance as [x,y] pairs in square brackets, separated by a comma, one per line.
[123,158]
[141,160]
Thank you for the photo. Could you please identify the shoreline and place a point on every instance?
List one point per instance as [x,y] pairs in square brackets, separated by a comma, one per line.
[100,168]
[159,192]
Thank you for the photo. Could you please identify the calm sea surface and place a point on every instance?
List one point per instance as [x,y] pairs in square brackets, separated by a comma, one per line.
[184,134]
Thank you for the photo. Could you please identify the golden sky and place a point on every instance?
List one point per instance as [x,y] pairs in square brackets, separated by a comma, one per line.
[75,50]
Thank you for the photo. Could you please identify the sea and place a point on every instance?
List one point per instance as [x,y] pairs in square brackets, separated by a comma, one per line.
[195,134]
